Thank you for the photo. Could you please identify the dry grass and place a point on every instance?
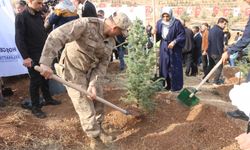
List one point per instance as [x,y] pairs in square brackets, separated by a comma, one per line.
[17,118]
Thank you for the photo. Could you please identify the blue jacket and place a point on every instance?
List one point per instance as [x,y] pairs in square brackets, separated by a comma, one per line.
[215,41]
[60,17]
[243,42]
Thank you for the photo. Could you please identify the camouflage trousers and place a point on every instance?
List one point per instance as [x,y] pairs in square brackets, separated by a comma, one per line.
[90,112]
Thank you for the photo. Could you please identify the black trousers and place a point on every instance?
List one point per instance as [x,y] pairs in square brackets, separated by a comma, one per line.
[213,60]
[188,61]
[36,82]
[205,64]
[194,68]
[195,60]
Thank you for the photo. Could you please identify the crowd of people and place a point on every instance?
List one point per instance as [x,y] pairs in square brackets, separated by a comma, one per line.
[197,46]
[82,40]
[180,45]
[79,38]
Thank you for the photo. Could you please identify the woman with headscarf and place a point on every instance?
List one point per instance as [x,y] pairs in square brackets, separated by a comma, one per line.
[172,35]
[63,12]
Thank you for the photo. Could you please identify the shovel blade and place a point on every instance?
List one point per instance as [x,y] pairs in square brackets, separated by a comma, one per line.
[185,99]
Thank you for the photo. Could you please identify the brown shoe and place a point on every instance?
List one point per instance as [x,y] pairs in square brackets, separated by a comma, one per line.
[96,144]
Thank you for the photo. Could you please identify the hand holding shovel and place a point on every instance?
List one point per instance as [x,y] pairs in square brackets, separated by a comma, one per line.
[48,74]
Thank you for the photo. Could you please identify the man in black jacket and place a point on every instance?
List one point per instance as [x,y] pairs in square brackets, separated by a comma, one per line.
[216,47]
[188,48]
[196,54]
[85,8]
[30,38]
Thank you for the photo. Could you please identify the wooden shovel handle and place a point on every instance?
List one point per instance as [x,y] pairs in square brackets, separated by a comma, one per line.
[209,74]
[206,78]
[78,88]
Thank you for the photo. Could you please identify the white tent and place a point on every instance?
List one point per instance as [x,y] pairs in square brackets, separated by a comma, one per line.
[10,59]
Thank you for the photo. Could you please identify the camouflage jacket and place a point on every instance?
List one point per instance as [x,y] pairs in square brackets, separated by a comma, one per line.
[87,51]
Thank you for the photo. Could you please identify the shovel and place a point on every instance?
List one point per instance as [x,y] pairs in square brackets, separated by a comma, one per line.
[188,97]
[77,87]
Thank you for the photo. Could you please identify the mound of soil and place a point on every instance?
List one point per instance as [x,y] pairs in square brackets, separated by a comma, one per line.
[171,126]
[174,126]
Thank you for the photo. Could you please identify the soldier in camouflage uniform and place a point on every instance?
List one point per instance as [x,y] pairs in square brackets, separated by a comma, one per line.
[84,61]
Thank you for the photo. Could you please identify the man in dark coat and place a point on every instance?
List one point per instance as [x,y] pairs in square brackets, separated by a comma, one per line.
[216,47]
[30,38]
[196,54]
[172,35]
[187,49]
[85,8]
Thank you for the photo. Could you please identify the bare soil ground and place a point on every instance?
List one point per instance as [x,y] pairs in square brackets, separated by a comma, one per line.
[171,126]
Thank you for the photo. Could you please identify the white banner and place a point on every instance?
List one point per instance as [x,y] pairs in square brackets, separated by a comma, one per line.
[10,59]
